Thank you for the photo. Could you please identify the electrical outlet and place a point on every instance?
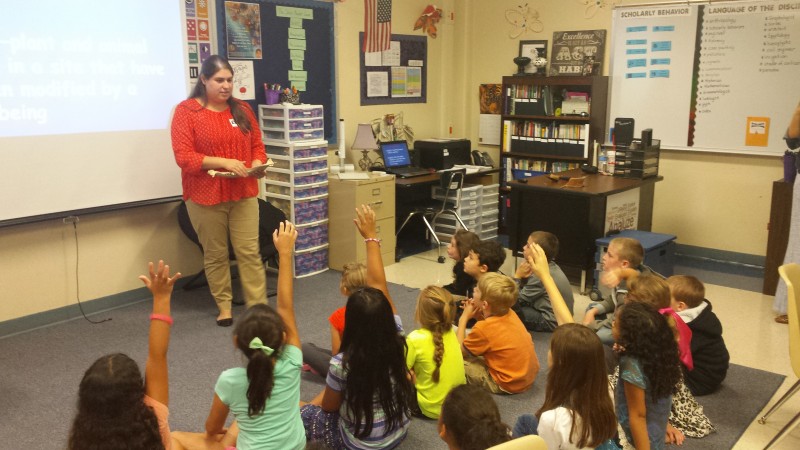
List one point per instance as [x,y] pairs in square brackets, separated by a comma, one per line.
[71,219]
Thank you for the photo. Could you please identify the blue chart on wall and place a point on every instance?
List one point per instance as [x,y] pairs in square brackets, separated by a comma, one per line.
[404,79]
[297,40]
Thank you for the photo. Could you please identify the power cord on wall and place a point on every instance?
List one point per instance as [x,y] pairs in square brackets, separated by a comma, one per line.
[74,221]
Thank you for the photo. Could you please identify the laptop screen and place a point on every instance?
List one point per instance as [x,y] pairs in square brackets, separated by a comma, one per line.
[395,154]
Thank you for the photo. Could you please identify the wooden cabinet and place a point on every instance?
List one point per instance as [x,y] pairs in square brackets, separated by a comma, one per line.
[780,221]
[346,243]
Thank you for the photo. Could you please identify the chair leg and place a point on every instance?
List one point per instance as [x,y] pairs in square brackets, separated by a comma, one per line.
[792,390]
[439,256]
[784,431]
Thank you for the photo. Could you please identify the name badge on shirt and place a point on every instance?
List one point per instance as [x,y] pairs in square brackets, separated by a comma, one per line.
[233,123]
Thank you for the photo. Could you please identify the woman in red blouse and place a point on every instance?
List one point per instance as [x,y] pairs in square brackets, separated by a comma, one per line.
[213,130]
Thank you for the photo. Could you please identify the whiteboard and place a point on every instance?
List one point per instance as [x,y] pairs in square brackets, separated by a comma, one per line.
[720,77]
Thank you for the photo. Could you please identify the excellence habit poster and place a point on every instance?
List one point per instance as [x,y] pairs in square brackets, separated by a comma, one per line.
[243,30]
[577,53]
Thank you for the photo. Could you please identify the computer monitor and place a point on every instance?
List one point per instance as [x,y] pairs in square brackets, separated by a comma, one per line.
[395,154]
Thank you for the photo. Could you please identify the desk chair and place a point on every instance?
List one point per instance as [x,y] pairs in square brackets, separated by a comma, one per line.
[530,442]
[269,218]
[451,182]
[791,276]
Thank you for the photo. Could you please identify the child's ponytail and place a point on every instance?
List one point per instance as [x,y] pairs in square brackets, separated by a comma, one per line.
[260,374]
[259,335]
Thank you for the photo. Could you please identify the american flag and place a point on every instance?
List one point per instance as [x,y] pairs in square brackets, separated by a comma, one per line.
[377,25]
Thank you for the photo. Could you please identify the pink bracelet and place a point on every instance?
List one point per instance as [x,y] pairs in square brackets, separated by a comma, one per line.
[373,240]
[162,318]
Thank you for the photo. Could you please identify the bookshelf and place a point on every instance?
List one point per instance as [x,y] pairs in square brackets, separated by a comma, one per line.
[543,130]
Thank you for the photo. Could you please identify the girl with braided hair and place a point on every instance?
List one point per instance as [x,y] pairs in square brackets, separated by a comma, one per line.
[434,354]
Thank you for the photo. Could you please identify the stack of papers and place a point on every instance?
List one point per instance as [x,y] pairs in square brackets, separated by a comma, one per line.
[470,168]
[354,175]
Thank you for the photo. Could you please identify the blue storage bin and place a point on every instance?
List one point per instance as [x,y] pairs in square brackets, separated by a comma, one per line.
[659,251]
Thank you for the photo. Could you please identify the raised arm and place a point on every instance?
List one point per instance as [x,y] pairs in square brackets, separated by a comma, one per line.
[156,373]
[376,276]
[793,131]
[541,268]
[284,238]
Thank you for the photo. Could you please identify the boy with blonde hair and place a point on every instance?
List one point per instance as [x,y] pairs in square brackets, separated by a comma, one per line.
[499,353]
[622,260]
[710,355]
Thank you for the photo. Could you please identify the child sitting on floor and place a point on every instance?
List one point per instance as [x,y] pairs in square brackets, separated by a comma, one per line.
[710,355]
[434,354]
[116,408]
[460,245]
[499,351]
[264,396]
[470,420]
[533,305]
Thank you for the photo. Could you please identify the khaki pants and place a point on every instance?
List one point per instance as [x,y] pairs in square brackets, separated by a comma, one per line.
[238,221]
[478,374]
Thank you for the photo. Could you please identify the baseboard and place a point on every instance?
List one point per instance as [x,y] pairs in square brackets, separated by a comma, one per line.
[72,312]
[720,260]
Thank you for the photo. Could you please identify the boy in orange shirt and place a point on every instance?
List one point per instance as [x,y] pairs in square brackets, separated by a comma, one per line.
[498,353]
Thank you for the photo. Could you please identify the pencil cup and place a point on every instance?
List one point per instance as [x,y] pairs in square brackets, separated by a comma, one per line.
[273,97]
[290,98]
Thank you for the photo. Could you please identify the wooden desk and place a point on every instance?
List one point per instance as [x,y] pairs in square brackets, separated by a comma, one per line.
[575,215]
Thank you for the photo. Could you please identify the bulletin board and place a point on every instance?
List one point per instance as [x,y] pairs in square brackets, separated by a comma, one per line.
[311,26]
[413,54]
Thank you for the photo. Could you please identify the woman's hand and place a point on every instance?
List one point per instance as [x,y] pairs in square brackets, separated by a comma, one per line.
[260,173]
[365,222]
[235,166]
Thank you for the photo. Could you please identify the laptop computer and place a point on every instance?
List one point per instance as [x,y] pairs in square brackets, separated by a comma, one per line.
[398,161]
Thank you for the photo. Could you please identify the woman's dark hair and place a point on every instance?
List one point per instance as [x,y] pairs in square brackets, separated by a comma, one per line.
[210,67]
[645,334]
[471,418]
[264,323]
[374,360]
[111,409]
[577,381]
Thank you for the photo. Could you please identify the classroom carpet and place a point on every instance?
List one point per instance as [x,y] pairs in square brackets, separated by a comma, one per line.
[41,369]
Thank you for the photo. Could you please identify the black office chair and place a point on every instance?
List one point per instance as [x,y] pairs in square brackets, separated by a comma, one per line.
[269,218]
[451,181]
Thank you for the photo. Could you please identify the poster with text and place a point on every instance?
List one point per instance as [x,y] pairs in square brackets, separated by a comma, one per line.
[243,30]
[577,53]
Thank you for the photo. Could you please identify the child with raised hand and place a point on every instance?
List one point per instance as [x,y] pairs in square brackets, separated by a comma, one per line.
[649,371]
[434,354]
[461,244]
[263,396]
[116,408]
[317,359]
[577,411]
[533,305]
[498,353]
[367,399]
[470,420]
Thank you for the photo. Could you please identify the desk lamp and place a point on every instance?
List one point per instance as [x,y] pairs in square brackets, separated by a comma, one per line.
[365,141]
